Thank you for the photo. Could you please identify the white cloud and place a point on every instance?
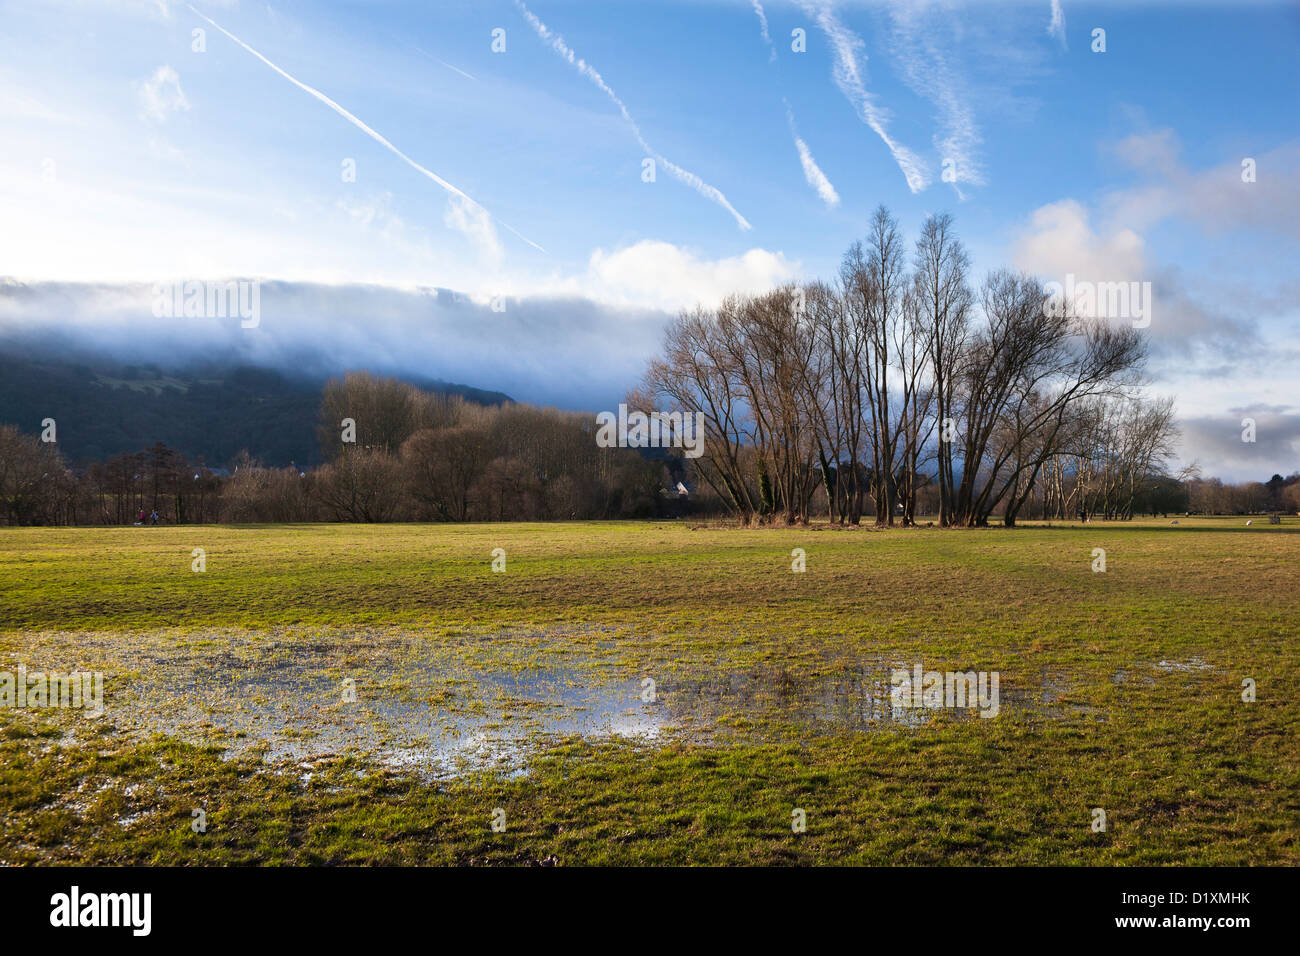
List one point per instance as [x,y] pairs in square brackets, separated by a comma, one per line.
[161,95]
[1216,199]
[466,216]
[659,274]
[564,351]
[1060,239]
[1185,324]
[1209,346]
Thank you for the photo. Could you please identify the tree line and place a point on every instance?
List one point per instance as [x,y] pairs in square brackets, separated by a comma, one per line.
[413,455]
[899,380]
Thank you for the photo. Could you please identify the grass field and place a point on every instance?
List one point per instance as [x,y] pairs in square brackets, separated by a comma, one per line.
[227,691]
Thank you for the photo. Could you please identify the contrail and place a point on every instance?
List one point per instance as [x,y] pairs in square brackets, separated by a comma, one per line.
[849,80]
[586,69]
[762,27]
[927,70]
[1057,27]
[811,171]
[447,65]
[370,132]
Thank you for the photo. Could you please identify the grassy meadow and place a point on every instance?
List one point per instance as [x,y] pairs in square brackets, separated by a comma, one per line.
[475,691]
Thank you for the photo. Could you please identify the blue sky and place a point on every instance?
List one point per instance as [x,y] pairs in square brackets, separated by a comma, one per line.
[130,157]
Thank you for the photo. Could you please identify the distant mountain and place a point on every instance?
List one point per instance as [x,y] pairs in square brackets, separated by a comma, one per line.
[103,407]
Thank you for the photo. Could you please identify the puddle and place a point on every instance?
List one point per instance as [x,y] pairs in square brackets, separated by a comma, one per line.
[852,698]
[441,707]
[1182,667]
[431,724]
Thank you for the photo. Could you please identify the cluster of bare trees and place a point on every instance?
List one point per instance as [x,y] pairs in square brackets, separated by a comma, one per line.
[397,452]
[1212,496]
[1114,460]
[896,375]
[406,455]
[38,487]
[35,482]
[158,479]
[458,461]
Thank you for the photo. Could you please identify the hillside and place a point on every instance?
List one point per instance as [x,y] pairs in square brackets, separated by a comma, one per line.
[212,412]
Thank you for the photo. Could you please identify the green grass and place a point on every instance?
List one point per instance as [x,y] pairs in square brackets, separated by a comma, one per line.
[1186,771]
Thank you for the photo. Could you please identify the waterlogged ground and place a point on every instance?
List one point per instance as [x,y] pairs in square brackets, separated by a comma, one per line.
[444,706]
[687,729]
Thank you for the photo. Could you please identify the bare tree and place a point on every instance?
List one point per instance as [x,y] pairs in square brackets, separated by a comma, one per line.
[386,412]
[769,346]
[362,484]
[695,375]
[443,465]
[873,281]
[1021,375]
[944,301]
[253,493]
[32,478]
